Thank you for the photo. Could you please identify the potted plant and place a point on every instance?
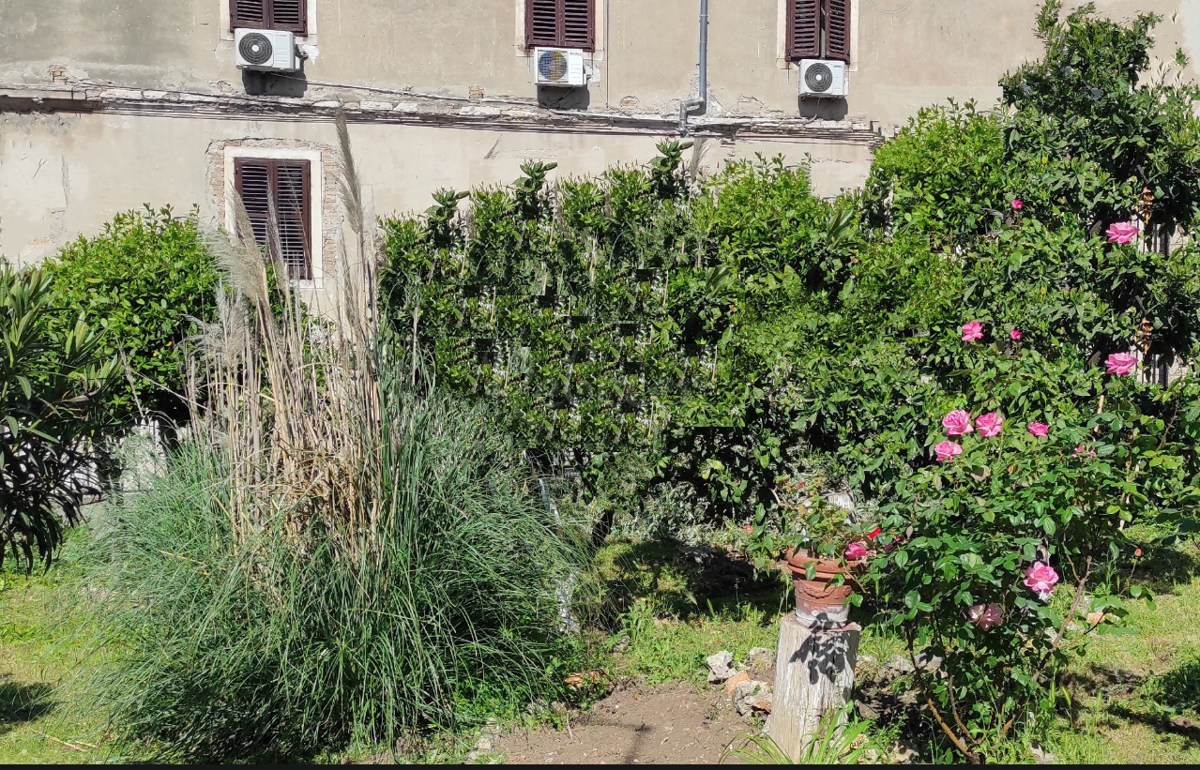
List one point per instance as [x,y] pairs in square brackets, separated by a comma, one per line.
[827,547]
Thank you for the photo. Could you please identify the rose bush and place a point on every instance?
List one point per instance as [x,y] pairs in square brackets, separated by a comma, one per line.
[1009,549]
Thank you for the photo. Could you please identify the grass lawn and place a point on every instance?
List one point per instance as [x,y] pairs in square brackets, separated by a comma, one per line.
[1136,696]
[1132,698]
[36,724]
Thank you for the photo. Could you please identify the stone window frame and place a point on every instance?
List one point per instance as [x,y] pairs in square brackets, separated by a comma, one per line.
[781,30]
[317,203]
[310,37]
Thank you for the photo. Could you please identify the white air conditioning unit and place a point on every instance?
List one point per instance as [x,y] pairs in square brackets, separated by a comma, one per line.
[823,78]
[562,67]
[268,50]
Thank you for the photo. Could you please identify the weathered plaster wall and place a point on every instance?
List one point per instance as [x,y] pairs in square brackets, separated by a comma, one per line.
[62,175]
[170,94]
[908,53]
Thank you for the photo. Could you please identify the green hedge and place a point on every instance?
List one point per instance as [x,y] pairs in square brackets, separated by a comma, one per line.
[143,283]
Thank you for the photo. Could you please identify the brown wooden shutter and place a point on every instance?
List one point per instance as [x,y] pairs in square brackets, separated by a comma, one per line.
[252,179]
[560,23]
[541,23]
[289,15]
[275,194]
[247,13]
[292,211]
[804,29]
[286,15]
[579,24]
[837,30]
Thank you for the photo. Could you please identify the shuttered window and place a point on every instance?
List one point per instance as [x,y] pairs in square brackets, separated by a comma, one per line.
[276,196]
[561,24]
[286,15]
[818,29]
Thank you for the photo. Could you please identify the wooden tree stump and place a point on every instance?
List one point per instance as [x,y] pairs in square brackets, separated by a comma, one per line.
[814,675]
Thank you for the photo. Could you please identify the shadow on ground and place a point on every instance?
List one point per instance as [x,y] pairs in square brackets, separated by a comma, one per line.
[21,703]
[1165,568]
[680,581]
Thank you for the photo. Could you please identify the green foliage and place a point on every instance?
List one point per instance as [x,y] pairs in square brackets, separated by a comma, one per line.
[1092,134]
[1176,691]
[1086,140]
[760,333]
[235,645]
[841,739]
[968,530]
[143,281]
[946,177]
[52,388]
[616,322]
[1073,295]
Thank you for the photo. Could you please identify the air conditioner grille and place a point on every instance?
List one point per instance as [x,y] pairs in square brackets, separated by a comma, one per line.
[818,77]
[255,48]
[552,66]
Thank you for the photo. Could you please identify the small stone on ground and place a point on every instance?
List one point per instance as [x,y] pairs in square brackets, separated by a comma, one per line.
[720,666]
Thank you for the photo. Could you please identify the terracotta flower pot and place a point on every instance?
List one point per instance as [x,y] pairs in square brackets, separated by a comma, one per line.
[817,600]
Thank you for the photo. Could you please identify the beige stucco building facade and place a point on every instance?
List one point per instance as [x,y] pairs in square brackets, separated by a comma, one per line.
[109,104]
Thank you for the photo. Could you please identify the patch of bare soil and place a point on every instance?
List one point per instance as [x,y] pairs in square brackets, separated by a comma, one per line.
[670,723]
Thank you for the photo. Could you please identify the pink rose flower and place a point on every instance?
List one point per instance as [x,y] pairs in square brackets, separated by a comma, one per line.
[989,424]
[1041,578]
[1015,334]
[1122,232]
[972,331]
[856,551]
[1017,204]
[1039,428]
[1120,363]
[748,527]
[957,423]
[947,450]
[986,615]
[1137,551]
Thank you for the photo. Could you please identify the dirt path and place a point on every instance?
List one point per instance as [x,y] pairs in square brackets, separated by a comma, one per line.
[637,725]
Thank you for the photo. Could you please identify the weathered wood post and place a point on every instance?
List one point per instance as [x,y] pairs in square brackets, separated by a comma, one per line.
[814,675]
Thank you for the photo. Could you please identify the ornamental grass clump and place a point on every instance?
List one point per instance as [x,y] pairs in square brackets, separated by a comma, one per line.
[332,555]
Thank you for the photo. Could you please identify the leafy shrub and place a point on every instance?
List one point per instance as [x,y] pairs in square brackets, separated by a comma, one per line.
[614,323]
[144,280]
[1047,492]
[945,176]
[52,387]
[1093,135]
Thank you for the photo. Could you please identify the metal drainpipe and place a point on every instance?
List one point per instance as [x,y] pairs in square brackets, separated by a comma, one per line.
[699,104]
